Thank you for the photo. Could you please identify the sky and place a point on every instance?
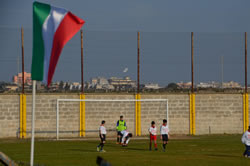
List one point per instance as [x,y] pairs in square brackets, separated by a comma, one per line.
[110,39]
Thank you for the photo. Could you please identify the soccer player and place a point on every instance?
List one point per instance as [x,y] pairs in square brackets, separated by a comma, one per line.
[102,134]
[120,126]
[164,134]
[125,137]
[246,140]
[152,131]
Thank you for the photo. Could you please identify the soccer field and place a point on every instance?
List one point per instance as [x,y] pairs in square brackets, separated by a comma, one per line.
[215,150]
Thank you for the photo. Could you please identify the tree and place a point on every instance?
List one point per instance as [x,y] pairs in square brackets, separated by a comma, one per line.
[172,86]
[2,86]
[61,85]
[67,86]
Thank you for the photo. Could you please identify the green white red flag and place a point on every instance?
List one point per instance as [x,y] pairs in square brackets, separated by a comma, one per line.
[53,27]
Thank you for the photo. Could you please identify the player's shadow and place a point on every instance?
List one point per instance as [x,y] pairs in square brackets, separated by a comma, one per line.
[135,149]
[82,150]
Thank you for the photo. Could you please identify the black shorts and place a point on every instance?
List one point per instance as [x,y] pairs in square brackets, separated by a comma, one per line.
[119,133]
[164,137]
[103,137]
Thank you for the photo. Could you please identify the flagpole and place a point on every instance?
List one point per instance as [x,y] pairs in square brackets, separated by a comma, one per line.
[33,117]
[33,123]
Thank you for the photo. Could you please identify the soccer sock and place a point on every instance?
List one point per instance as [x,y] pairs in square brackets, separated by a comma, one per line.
[150,145]
[118,139]
[155,145]
[164,146]
[99,145]
[102,145]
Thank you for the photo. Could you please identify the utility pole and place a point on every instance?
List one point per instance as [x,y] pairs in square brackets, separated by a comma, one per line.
[138,62]
[82,79]
[245,62]
[22,61]
[192,61]
[222,71]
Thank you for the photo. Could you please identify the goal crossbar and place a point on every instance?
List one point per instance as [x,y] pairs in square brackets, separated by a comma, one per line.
[103,100]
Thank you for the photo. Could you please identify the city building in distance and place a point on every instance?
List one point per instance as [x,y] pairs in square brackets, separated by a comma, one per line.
[17,79]
[116,84]
[152,86]
[122,83]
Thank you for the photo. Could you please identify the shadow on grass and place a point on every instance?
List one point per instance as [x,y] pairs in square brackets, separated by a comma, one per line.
[135,149]
[222,155]
[120,148]
[82,150]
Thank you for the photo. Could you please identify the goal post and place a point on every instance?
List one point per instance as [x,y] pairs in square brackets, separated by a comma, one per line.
[158,103]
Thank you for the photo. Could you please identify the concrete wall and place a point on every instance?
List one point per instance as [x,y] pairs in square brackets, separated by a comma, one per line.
[219,114]
[215,113]
[9,115]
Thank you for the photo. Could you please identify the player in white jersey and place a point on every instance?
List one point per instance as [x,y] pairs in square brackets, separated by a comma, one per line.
[125,137]
[152,131]
[102,134]
[164,134]
[246,140]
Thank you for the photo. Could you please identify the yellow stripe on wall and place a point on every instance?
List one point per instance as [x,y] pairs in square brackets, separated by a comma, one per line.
[192,113]
[136,120]
[22,116]
[247,107]
[138,115]
[82,116]
[194,128]
[245,112]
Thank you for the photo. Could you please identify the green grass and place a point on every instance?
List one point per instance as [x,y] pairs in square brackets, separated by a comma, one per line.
[215,150]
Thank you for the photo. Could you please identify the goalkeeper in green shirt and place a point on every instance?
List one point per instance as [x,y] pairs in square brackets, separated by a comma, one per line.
[120,126]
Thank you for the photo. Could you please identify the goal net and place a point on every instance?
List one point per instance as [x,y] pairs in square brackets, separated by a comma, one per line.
[96,110]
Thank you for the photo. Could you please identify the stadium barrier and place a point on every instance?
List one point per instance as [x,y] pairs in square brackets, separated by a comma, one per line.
[214,113]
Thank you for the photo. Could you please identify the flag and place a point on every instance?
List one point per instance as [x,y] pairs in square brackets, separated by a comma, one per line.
[53,27]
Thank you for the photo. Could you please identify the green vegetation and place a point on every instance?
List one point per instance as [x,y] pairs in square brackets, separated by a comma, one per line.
[215,150]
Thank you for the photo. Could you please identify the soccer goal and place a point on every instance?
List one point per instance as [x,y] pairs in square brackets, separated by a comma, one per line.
[68,116]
